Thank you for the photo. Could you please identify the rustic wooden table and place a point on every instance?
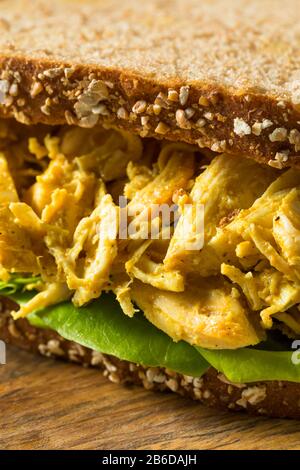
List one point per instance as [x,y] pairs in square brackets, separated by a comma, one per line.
[52,405]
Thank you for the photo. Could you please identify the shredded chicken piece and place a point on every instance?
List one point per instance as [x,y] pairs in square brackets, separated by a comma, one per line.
[207,315]
[268,234]
[61,219]
[227,184]
[101,248]
[8,191]
[53,294]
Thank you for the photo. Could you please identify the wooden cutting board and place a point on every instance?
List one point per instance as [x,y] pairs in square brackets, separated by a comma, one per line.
[51,405]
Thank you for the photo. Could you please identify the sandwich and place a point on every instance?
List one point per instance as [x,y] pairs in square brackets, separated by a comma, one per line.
[150,193]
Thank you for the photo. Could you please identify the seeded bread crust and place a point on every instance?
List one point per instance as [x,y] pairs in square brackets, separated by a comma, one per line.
[214,81]
[274,399]
[222,122]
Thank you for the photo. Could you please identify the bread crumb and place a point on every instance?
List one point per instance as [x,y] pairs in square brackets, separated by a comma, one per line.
[97,358]
[90,100]
[88,121]
[109,365]
[43,349]
[4,87]
[151,373]
[122,113]
[275,164]
[201,122]
[70,118]
[266,123]
[184,95]
[68,72]
[241,128]
[278,135]
[254,395]
[145,120]
[20,116]
[139,107]
[46,109]
[181,119]
[280,159]
[173,95]
[189,112]
[54,348]
[14,89]
[257,128]
[172,384]
[162,128]
[242,402]
[113,377]
[53,73]
[162,100]
[198,382]
[100,109]
[294,139]
[281,104]
[219,146]
[209,116]
[157,109]
[203,101]
[188,379]
[21,102]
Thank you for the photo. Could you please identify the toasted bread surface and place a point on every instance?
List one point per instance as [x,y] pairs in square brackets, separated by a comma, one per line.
[220,74]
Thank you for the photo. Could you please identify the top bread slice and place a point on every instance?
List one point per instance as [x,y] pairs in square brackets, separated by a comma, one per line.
[222,74]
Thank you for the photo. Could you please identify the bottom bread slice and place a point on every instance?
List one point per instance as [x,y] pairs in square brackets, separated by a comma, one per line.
[276,399]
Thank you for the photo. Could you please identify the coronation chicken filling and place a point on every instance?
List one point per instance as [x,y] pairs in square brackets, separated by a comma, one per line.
[61,219]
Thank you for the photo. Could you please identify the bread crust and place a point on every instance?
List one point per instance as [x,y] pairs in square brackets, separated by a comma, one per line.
[274,398]
[207,115]
[172,69]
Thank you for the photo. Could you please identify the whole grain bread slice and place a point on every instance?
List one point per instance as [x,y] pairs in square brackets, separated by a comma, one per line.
[274,399]
[218,73]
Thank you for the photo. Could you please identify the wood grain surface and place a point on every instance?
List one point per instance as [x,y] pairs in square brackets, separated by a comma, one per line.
[52,405]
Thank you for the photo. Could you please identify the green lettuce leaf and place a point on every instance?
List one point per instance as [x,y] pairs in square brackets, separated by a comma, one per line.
[253,365]
[102,326]
[18,283]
